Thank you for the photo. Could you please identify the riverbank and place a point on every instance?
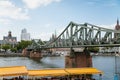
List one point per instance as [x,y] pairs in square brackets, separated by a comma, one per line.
[11,55]
[105,54]
[21,55]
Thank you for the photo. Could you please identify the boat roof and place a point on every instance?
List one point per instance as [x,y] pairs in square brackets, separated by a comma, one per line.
[63,71]
[22,71]
[13,71]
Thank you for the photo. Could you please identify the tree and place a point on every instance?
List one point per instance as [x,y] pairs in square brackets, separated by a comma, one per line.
[6,47]
[93,49]
[13,49]
[23,44]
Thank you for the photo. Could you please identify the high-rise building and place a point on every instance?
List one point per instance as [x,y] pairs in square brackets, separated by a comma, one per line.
[24,35]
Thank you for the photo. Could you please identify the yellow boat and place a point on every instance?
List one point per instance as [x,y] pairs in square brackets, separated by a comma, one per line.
[21,71]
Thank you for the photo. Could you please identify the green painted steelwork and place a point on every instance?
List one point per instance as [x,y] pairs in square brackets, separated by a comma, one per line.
[84,35]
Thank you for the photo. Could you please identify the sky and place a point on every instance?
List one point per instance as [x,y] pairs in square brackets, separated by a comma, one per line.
[42,18]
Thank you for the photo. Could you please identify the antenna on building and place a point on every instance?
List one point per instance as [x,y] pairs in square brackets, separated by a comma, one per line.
[117,21]
[55,34]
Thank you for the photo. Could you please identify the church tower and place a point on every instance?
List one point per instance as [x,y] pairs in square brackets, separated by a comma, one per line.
[9,34]
[117,27]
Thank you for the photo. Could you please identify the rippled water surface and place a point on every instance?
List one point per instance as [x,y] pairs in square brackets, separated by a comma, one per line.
[104,63]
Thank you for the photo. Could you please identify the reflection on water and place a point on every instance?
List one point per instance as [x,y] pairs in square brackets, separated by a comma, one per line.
[107,65]
[104,63]
[47,62]
[118,64]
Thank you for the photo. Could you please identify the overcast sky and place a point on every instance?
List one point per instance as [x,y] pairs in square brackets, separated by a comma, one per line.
[42,17]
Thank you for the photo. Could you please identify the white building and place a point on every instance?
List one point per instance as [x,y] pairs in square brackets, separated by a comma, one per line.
[24,35]
[117,36]
[109,49]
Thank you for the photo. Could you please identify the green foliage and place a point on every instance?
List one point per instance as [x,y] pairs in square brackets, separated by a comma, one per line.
[13,49]
[93,49]
[6,47]
[18,46]
[23,44]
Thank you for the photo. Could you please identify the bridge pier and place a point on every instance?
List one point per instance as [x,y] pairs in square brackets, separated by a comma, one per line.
[32,54]
[78,59]
[35,55]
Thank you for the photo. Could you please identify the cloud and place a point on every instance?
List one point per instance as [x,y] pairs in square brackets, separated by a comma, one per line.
[43,36]
[105,3]
[112,26]
[5,21]
[32,4]
[111,4]
[11,11]
[92,2]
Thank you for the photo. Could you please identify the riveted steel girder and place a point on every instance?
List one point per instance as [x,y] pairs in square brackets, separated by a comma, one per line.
[78,35]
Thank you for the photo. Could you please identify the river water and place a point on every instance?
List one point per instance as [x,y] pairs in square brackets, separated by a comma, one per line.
[104,63]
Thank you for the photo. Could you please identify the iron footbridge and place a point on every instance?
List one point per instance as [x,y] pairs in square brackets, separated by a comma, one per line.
[85,35]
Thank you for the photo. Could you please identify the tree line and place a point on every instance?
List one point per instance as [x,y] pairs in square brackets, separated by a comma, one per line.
[19,46]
